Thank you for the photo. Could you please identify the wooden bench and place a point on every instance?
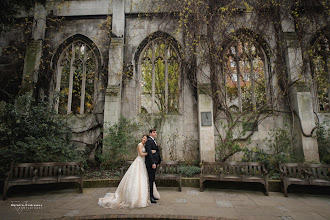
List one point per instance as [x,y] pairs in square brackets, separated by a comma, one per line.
[167,170]
[235,172]
[42,173]
[304,174]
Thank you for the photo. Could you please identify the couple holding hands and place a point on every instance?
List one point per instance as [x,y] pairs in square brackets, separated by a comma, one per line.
[132,191]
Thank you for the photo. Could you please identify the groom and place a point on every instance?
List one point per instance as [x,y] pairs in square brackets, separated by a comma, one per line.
[152,161]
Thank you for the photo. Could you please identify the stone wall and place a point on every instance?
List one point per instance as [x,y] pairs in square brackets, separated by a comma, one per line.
[118,30]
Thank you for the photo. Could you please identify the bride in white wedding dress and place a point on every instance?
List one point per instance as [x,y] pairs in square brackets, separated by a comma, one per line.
[132,191]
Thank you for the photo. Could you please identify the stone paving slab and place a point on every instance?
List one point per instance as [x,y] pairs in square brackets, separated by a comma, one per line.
[188,204]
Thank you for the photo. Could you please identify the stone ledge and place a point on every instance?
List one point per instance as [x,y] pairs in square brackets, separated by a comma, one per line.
[274,185]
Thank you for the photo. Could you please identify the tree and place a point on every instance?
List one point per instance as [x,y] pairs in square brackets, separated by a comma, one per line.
[30,131]
[225,43]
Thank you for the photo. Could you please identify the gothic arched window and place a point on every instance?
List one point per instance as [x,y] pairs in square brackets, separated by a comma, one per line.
[159,67]
[321,72]
[75,81]
[245,75]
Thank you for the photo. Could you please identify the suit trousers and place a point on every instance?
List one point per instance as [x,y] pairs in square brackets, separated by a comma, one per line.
[151,176]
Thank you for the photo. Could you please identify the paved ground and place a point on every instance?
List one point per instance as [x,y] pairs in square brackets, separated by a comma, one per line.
[221,203]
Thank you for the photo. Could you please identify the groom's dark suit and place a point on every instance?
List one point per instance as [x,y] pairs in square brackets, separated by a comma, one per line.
[151,159]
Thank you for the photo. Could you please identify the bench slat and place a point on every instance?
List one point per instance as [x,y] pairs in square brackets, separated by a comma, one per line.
[21,170]
[307,174]
[40,173]
[234,171]
[31,171]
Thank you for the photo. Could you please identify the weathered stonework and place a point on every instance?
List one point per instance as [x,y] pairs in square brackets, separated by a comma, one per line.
[118,30]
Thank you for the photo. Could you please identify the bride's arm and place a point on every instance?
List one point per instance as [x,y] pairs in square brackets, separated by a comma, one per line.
[140,151]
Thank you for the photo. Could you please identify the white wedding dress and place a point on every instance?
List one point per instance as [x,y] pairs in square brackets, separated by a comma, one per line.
[133,189]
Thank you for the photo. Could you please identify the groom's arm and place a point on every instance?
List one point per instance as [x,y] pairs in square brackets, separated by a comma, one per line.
[148,149]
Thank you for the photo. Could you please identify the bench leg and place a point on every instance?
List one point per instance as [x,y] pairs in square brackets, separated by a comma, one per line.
[285,189]
[82,186]
[4,197]
[201,185]
[266,188]
[5,190]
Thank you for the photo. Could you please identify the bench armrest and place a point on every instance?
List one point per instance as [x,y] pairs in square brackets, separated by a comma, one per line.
[82,171]
[35,175]
[265,172]
[306,173]
[122,171]
[282,173]
[59,174]
[8,176]
[35,172]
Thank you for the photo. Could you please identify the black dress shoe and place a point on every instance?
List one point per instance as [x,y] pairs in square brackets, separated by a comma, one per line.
[152,200]
[155,198]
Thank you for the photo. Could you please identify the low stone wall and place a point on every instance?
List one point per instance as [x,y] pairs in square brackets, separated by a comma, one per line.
[274,185]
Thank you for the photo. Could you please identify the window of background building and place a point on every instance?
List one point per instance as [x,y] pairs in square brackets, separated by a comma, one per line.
[75,79]
[160,70]
[245,80]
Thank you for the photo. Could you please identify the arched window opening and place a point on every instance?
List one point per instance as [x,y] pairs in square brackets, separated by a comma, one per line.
[76,70]
[321,72]
[245,75]
[160,68]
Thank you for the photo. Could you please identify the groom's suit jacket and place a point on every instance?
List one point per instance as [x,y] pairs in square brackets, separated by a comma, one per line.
[152,158]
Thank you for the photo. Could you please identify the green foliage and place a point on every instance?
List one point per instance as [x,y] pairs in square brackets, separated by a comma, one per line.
[118,141]
[229,144]
[31,132]
[9,9]
[166,87]
[81,52]
[280,144]
[227,147]
[323,140]
[190,170]
[256,155]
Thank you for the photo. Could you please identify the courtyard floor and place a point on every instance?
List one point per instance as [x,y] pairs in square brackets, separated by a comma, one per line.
[188,204]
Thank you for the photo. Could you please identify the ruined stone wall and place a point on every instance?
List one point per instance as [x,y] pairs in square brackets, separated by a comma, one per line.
[118,30]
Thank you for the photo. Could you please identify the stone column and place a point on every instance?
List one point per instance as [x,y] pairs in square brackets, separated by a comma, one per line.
[34,50]
[301,100]
[112,107]
[205,123]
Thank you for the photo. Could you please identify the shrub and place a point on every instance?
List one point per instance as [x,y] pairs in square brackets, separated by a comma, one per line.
[190,170]
[256,155]
[119,139]
[280,144]
[323,140]
[31,132]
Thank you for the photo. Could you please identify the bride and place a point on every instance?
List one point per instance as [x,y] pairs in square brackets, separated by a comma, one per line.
[132,191]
